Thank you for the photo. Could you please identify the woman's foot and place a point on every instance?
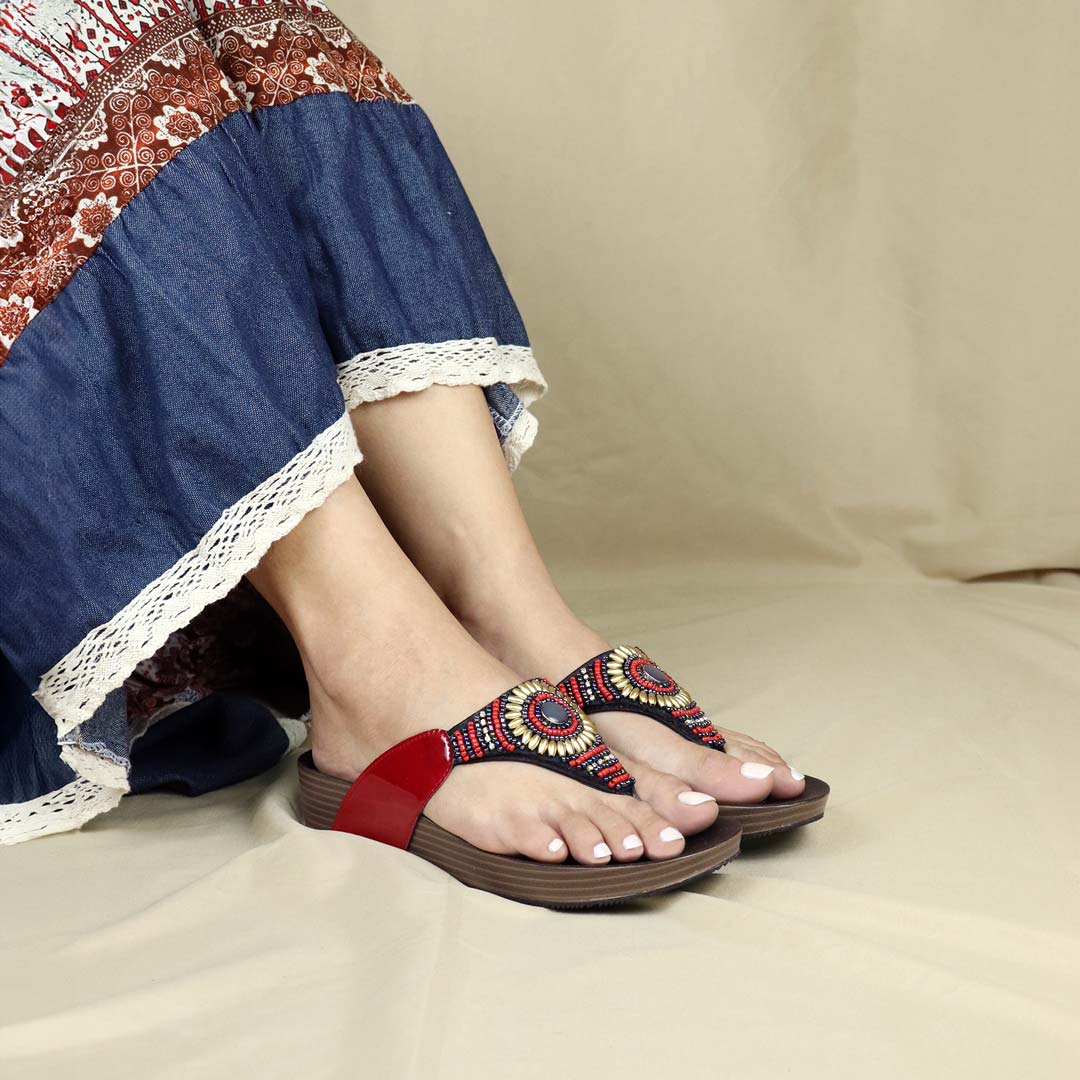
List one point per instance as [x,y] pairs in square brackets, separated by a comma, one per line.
[385,660]
[507,808]
[432,457]
[669,768]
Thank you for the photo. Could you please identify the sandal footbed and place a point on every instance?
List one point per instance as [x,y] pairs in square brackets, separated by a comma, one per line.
[779,815]
[567,884]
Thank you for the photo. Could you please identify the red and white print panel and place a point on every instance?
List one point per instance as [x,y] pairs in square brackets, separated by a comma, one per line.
[97,95]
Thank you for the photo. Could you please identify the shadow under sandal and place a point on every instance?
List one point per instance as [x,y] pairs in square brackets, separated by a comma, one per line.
[533,723]
[624,679]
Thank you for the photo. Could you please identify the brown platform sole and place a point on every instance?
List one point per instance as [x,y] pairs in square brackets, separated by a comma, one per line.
[776,816]
[557,885]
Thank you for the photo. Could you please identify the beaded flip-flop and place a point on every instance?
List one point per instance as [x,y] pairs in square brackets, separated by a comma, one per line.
[532,722]
[624,679]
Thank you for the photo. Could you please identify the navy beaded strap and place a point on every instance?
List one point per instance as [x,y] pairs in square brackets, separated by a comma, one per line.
[535,722]
[625,679]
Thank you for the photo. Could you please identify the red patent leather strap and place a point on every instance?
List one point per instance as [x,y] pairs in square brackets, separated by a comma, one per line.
[388,797]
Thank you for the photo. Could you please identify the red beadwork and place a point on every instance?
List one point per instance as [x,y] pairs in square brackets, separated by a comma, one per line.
[496,723]
[593,689]
[633,670]
[461,746]
[575,689]
[477,748]
[598,672]
[588,755]
[536,722]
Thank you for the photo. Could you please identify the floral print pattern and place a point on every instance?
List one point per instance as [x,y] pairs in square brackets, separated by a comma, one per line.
[97,96]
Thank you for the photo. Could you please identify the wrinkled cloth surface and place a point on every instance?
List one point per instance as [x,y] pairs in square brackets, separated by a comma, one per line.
[925,927]
[803,276]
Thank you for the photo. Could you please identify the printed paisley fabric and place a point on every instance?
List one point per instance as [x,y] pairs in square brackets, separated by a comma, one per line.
[97,95]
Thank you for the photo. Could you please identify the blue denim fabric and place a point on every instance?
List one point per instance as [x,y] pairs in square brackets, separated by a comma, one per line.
[393,249]
[193,355]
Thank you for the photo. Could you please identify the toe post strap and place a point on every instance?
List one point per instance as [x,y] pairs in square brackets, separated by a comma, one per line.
[625,679]
[536,722]
[533,722]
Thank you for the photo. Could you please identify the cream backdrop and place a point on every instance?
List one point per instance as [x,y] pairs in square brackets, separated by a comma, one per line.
[803,279]
[802,275]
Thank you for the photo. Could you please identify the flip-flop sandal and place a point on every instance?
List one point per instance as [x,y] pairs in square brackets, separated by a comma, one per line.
[625,679]
[531,722]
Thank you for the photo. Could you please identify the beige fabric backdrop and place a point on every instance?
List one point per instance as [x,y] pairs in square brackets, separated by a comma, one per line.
[802,276]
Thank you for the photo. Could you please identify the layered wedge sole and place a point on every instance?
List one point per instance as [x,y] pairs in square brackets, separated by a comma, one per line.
[759,820]
[555,885]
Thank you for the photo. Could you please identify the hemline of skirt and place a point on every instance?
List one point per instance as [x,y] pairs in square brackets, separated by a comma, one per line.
[77,685]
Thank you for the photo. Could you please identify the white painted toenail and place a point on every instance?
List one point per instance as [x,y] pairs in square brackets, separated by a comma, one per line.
[556,845]
[632,842]
[796,775]
[755,770]
[694,798]
[601,851]
[669,834]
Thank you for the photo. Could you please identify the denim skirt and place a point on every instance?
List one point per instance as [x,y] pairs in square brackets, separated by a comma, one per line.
[221,230]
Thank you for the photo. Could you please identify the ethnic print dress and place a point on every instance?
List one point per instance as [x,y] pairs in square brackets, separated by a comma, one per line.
[223,224]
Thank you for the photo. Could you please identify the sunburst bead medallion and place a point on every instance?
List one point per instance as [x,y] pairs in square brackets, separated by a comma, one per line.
[534,720]
[546,722]
[635,676]
[626,679]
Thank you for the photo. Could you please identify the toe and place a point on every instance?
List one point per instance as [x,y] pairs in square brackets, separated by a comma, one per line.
[662,839]
[729,779]
[585,841]
[673,799]
[536,840]
[619,833]
[787,783]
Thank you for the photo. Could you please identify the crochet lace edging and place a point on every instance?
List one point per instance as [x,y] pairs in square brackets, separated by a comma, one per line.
[74,688]
[384,373]
[58,811]
[74,804]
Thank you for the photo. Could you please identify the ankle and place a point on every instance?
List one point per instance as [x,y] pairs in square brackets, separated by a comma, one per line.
[378,696]
[536,634]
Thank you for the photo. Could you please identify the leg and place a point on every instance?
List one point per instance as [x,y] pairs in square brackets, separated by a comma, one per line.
[385,659]
[435,473]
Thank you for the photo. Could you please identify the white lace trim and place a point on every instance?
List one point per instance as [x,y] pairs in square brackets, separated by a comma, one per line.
[73,689]
[520,438]
[383,373]
[96,768]
[66,808]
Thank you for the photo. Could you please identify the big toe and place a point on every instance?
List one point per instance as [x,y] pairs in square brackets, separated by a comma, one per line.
[730,779]
[787,783]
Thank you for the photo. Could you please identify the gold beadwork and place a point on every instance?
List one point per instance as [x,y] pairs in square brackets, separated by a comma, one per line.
[518,724]
[616,669]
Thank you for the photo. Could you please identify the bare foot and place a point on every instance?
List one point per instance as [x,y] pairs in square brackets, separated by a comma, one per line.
[677,776]
[503,807]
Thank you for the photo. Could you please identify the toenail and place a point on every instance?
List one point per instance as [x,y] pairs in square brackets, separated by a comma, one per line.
[796,775]
[669,834]
[601,851]
[755,770]
[694,798]
[632,842]
[555,845]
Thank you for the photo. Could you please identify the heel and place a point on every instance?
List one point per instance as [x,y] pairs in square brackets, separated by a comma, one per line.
[320,795]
